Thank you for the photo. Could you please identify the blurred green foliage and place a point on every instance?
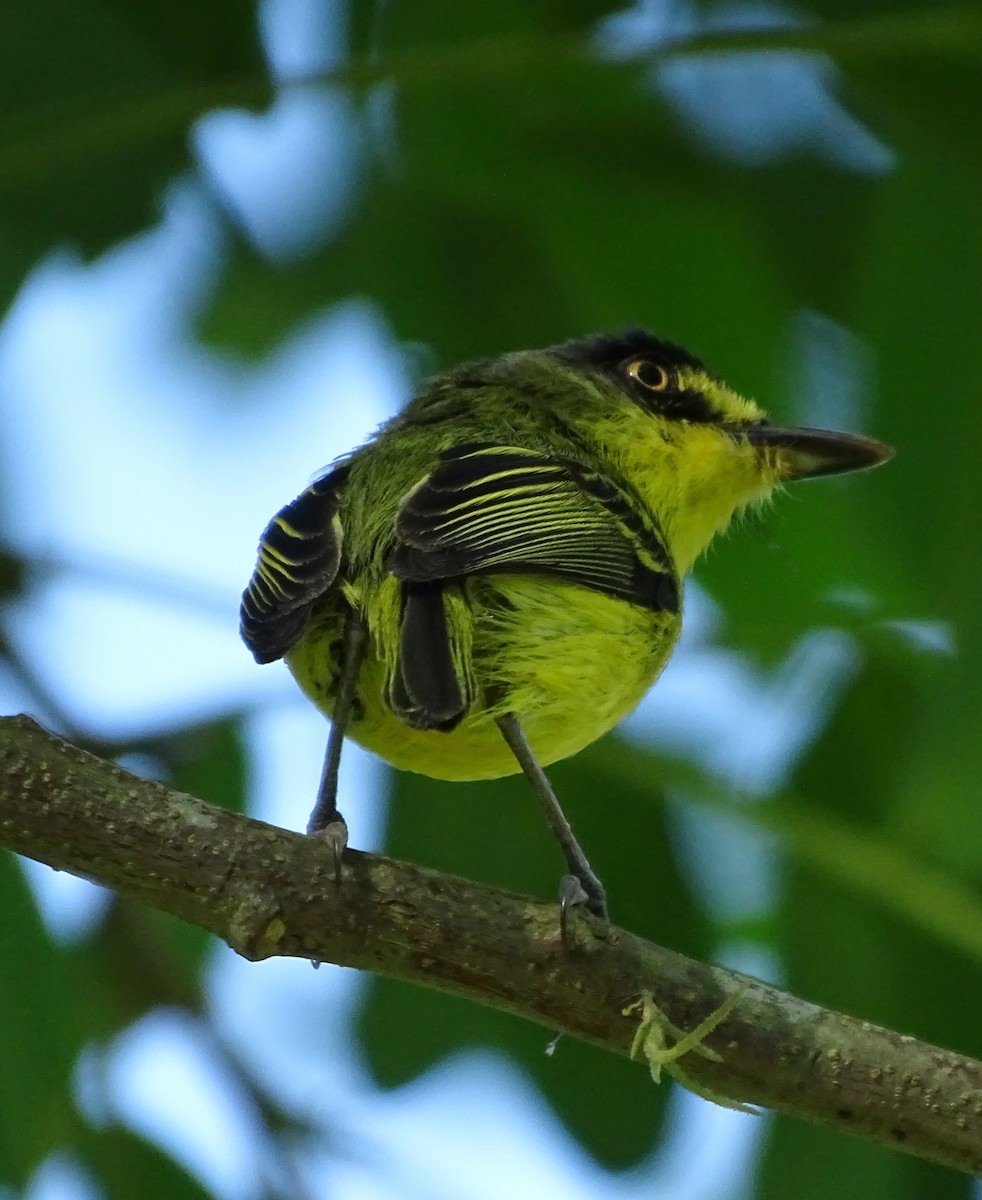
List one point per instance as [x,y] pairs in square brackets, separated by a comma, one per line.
[513,185]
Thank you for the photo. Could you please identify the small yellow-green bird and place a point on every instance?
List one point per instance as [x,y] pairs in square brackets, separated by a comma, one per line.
[495,579]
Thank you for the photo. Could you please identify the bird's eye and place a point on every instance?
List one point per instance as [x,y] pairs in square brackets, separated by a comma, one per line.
[650,375]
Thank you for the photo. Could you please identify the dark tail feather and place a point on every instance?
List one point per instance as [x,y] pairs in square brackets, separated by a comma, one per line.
[427,692]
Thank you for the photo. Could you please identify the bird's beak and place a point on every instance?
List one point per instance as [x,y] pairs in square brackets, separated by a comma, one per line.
[809,453]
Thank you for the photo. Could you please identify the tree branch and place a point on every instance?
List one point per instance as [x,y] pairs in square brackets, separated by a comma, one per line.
[267,891]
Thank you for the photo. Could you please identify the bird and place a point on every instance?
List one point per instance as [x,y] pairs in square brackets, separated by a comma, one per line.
[495,578]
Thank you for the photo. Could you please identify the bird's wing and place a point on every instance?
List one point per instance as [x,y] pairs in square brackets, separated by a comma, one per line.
[488,509]
[299,555]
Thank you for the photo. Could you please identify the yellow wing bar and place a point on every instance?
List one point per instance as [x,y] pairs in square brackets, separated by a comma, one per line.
[503,509]
[299,555]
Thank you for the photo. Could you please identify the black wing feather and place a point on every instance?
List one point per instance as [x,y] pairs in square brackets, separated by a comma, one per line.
[496,510]
[299,556]
[426,691]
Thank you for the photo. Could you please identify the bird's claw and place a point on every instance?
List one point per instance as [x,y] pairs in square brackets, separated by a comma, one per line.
[335,834]
[571,894]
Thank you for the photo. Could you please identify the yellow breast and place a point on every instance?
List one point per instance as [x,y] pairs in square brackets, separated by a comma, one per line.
[570,663]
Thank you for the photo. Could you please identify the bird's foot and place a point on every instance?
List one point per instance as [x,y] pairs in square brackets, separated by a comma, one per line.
[335,835]
[573,892]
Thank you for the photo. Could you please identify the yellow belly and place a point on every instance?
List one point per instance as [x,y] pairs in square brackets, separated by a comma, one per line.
[569,663]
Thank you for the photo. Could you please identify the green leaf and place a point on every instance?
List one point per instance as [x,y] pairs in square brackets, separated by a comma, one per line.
[45,1021]
[126,1165]
[206,760]
[97,100]
[854,958]
[503,224]
[140,959]
[922,311]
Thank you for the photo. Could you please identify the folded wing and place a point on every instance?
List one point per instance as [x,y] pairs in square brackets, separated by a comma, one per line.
[488,509]
[299,556]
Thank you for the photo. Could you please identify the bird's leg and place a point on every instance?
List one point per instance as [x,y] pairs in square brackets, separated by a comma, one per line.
[581,885]
[325,821]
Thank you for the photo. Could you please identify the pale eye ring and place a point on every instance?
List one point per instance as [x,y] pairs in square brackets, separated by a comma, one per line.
[651,375]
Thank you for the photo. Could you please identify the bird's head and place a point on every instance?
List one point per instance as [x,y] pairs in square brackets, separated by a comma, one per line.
[696,451]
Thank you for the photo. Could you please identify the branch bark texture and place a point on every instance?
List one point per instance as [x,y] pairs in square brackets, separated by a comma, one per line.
[267,891]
